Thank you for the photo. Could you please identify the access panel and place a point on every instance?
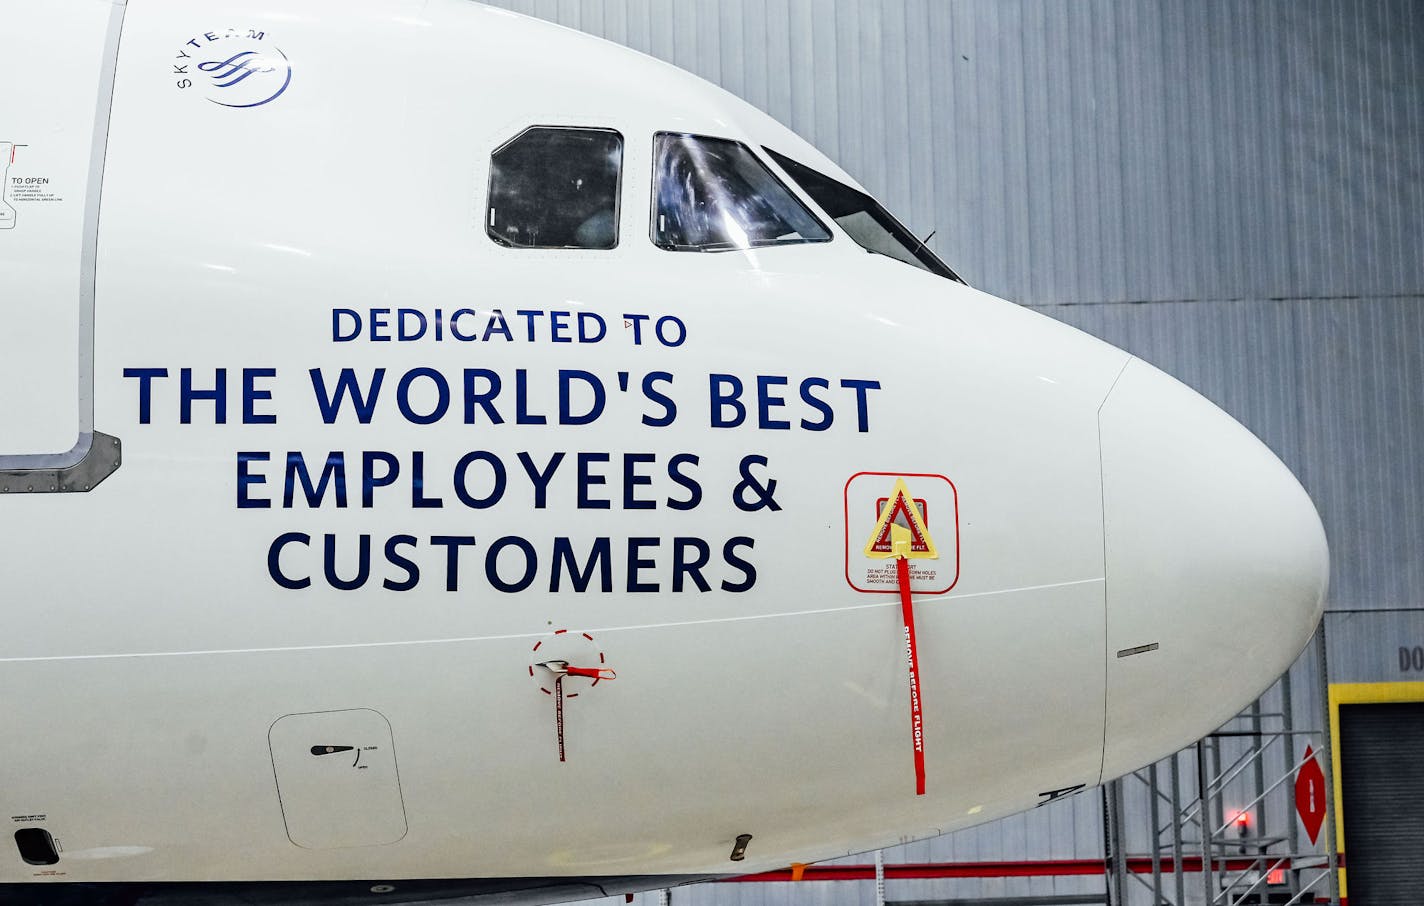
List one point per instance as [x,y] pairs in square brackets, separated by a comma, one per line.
[337,779]
[57,62]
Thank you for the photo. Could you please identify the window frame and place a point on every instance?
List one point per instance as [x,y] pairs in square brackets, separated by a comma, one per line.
[811,211]
[618,187]
[948,273]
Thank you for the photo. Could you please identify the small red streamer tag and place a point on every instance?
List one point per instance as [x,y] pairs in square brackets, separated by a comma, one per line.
[562,669]
[559,713]
[593,673]
[917,720]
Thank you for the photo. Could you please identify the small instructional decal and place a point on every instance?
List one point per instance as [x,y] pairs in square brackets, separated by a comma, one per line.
[23,181]
[890,515]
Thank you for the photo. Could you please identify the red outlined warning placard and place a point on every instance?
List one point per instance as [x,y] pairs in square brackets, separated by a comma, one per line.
[918,510]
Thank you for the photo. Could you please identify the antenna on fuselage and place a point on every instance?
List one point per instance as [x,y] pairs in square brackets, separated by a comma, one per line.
[925,242]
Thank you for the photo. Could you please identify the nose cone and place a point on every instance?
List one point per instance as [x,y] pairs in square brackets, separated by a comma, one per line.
[1214,553]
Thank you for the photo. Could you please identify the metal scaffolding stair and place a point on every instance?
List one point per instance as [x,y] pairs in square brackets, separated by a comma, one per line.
[1221,821]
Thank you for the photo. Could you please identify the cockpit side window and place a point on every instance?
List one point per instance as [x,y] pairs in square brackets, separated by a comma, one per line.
[556,187]
[713,194]
[863,218]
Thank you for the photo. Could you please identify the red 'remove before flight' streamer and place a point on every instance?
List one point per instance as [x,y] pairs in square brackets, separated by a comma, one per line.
[917,720]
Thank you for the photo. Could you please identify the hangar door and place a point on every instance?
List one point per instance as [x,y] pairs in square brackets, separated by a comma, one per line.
[1382,785]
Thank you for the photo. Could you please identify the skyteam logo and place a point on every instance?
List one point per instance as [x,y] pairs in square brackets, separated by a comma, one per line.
[233,68]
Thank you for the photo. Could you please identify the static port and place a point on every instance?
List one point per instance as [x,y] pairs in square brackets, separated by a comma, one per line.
[36,846]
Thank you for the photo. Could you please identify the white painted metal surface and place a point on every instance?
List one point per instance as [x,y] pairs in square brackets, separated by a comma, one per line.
[1234,513]
[51,175]
[154,624]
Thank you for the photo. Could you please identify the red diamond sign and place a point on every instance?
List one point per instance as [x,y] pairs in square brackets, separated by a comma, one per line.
[1310,795]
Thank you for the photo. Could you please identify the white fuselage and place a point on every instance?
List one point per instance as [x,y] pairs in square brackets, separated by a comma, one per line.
[178,638]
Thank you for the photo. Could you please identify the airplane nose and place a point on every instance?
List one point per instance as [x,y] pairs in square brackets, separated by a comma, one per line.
[1216,565]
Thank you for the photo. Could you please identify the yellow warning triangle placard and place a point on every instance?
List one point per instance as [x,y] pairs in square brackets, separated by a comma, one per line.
[901,531]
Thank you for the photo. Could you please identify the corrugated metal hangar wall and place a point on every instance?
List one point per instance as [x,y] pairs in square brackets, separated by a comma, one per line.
[1233,191]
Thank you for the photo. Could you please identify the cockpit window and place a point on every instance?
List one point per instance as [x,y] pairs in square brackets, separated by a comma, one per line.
[554,187]
[712,194]
[863,218]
